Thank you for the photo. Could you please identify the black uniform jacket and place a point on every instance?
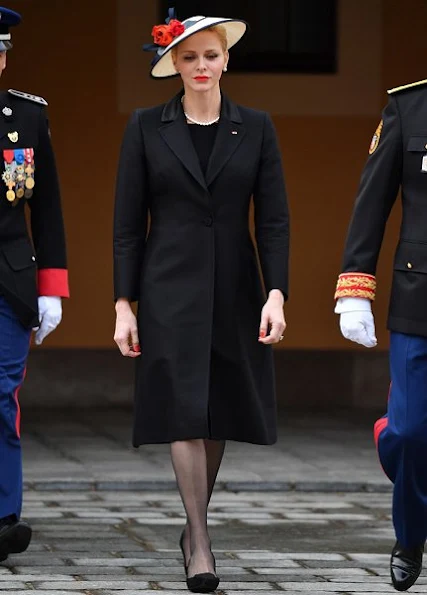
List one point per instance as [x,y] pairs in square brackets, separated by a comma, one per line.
[202,372]
[399,160]
[38,267]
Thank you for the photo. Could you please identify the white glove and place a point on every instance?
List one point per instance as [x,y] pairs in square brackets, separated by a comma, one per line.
[50,314]
[356,320]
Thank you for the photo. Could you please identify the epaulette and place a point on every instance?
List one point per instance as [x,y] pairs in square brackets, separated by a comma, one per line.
[403,87]
[28,96]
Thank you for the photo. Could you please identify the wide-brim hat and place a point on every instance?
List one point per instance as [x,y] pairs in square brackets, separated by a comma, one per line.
[8,18]
[163,66]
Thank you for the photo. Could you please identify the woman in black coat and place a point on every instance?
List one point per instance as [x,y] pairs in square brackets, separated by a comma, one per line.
[205,373]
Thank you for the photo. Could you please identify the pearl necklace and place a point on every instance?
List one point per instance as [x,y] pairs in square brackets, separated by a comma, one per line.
[193,121]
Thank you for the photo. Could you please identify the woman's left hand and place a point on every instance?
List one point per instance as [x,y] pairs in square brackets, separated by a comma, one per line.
[273,322]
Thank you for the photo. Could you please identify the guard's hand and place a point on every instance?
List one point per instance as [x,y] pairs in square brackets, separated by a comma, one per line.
[273,323]
[126,333]
[357,321]
[50,315]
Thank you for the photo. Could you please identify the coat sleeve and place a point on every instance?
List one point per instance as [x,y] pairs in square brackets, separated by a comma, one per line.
[272,214]
[130,213]
[47,226]
[378,189]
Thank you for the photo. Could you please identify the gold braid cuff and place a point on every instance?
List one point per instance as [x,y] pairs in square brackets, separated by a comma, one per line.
[356,285]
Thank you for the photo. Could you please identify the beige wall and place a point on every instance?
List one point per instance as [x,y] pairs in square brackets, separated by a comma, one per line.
[93,73]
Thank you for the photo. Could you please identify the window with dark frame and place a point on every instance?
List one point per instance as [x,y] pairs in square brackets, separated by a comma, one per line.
[294,36]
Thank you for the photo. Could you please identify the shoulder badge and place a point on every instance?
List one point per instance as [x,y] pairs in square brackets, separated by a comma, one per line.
[376,138]
[28,96]
[410,86]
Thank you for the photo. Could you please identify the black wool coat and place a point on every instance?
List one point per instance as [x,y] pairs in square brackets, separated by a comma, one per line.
[202,372]
[398,160]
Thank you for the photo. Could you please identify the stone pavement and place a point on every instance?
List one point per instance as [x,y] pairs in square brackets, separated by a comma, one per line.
[91,448]
[308,515]
[124,543]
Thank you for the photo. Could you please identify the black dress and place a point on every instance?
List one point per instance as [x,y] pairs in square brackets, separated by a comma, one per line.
[203,138]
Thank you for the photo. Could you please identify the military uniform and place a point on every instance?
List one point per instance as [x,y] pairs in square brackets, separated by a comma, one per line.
[27,271]
[30,267]
[398,159]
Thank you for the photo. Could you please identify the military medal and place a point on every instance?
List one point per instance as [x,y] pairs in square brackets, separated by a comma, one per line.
[19,156]
[29,183]
[29,171]
[8,174]
[19,172]
[29,156]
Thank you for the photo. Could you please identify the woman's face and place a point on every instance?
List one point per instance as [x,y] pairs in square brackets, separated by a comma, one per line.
[200,60]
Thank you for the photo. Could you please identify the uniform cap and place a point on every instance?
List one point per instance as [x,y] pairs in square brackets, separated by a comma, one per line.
[8,18]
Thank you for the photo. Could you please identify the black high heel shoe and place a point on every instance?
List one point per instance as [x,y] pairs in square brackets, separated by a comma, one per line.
[204,582]
[181,545]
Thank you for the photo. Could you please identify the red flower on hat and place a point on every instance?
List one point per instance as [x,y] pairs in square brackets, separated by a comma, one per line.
[176,27]
[162,35]
[165,34]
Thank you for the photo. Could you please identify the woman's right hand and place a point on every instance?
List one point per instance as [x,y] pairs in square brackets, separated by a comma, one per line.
[126,333]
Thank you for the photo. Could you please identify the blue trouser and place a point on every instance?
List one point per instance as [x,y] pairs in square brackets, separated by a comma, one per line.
[14,346]
[401,437]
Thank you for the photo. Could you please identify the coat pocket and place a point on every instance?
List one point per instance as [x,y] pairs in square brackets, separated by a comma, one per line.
[19,254]
[411,257]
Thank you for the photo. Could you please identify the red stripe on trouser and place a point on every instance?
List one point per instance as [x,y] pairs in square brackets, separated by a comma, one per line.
[379,426]
[18,407]
[381,423]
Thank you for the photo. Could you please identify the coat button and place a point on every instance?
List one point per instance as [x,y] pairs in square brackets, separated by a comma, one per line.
[208,221]
[409,265]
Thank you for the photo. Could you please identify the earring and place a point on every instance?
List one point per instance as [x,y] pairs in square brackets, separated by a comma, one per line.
[225,69]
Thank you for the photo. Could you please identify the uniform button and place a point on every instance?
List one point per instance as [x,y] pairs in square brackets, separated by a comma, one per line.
[33,258]
[409,265]
[208,221]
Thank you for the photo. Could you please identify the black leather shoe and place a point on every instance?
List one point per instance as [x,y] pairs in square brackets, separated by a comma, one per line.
[206,582]
[405,566]
[15,537]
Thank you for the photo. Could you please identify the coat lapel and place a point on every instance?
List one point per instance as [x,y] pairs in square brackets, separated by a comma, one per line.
[174,131]
[229,136]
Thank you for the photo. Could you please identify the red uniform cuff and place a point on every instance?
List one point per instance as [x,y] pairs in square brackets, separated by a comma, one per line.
[356,285]
[53,282]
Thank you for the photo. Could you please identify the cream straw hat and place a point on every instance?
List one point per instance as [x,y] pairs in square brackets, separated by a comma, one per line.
[162,64]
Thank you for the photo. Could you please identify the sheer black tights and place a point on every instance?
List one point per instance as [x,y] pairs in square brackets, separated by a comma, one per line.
[196,464]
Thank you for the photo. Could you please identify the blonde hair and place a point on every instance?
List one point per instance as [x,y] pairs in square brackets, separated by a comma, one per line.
[219,30]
